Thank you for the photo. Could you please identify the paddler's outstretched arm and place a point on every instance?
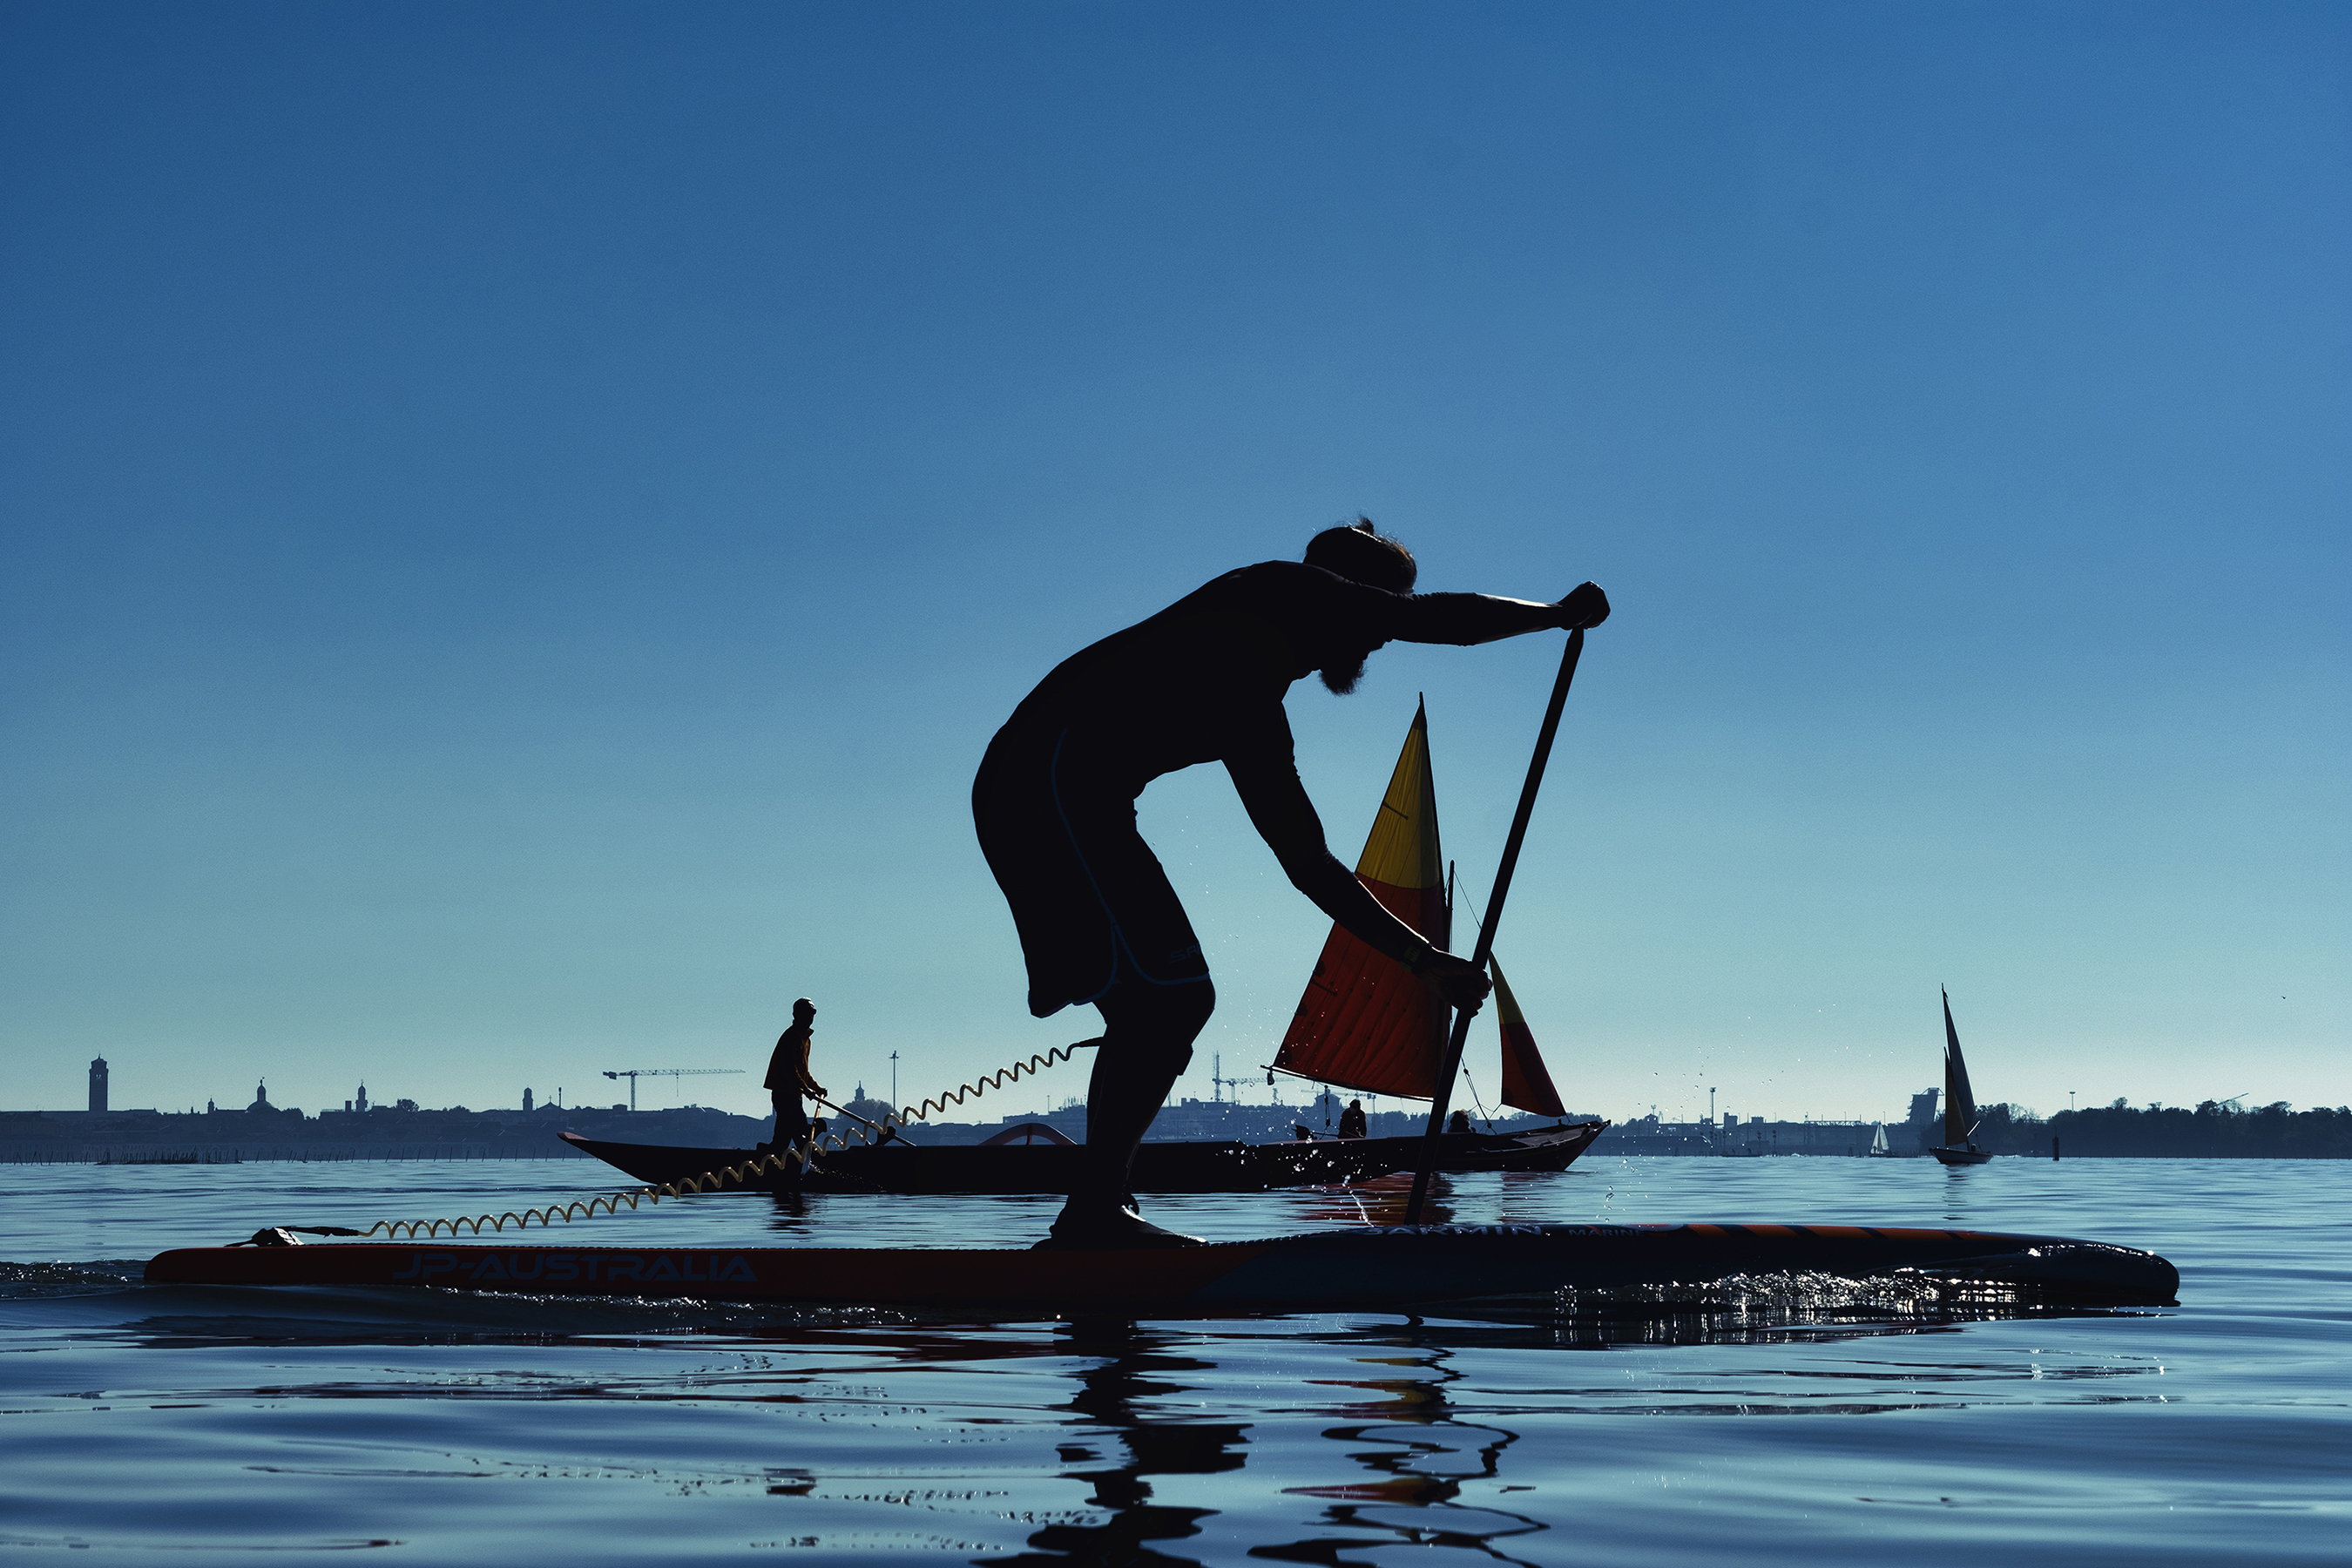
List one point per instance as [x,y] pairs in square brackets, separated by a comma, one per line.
[1464,619]
[1287,820]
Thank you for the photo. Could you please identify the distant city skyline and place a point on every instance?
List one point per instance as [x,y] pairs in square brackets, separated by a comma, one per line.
[522,523]
[1300,1096]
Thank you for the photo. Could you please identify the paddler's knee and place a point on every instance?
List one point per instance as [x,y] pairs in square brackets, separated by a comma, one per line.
[1174,1013]
[1193,1004]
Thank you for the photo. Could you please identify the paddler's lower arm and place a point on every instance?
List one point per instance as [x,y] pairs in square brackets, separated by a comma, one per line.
[1286,818]
[1347,901]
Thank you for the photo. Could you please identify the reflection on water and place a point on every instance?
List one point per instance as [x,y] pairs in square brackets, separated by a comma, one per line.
[1957,1208]
[1423,1454]
[788,1218]
[1129,1366]
[1789,1418]
[1401,1431]
[1381,1201]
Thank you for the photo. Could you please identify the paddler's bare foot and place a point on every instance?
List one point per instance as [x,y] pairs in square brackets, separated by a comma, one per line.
[1095,1229]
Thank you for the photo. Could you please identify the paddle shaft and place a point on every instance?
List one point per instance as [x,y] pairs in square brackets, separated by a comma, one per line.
[845,1112]
[1460,1037]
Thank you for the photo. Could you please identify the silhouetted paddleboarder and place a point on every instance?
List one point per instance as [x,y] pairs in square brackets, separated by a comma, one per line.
[1200,681]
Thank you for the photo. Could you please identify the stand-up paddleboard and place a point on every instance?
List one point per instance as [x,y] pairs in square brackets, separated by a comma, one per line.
[1373,1267]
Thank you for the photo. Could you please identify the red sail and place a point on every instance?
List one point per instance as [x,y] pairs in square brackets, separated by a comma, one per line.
[1364,1023]
[1526,1083]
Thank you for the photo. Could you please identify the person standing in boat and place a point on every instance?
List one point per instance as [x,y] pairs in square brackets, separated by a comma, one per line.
[1351,1121]
[1202,682]
[788,1078]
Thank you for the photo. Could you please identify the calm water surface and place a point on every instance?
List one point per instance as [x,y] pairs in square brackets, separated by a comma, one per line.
[1781,1421]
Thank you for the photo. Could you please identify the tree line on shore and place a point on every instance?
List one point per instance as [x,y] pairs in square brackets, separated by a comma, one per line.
[2214,1130]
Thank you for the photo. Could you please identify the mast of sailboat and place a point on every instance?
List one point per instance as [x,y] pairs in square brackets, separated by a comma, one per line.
[1460,1038]
[1441,1015]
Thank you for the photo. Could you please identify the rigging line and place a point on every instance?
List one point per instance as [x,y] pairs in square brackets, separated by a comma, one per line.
[1476,1100]
[806,1152]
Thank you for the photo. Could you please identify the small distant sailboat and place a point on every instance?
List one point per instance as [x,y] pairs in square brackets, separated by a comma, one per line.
[1878,1149]
[1959,1147]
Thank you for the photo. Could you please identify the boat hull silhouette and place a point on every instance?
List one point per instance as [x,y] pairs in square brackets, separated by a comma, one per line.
[1036,1167]
[1545,1149]
[1048,1167]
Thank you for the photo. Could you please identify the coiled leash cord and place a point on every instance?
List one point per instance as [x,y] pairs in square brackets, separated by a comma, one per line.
[804,1153]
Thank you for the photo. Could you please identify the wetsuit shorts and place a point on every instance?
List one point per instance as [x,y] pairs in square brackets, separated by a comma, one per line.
[1092,904]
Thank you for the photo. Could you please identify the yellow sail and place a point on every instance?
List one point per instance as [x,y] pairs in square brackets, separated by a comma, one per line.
[1364,1023]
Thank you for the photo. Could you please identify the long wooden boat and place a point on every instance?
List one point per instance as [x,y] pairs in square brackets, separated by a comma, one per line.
[1322,1270]
[1170,1167]
[1035,1167]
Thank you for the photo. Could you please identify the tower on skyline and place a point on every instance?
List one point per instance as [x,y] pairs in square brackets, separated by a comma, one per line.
[98,1083]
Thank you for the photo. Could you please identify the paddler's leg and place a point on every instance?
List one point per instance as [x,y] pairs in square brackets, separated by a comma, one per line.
[1099,924]
[1147,1034]
[791,1128]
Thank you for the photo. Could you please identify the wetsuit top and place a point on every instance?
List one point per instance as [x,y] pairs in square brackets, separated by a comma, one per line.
[788,1064]
[1203,681]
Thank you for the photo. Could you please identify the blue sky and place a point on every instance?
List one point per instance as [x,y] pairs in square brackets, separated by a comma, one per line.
[520,520]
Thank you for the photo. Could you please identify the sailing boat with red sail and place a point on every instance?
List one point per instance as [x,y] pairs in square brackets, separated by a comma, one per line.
[1366,1023]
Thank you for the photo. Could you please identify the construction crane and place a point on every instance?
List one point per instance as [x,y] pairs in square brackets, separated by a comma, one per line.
[1217,1076]
[633,1074]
